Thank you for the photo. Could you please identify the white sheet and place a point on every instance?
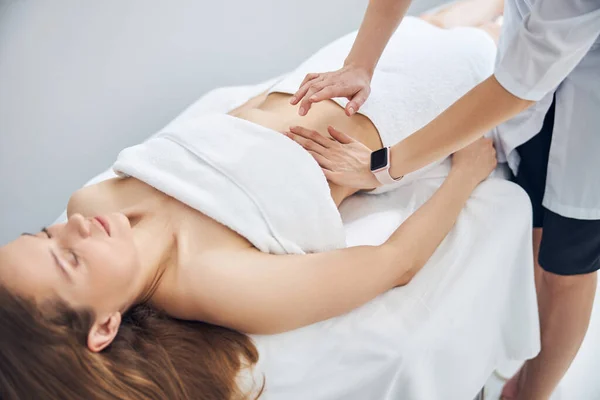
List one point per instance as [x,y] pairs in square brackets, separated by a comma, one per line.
[441,336]
[472,306]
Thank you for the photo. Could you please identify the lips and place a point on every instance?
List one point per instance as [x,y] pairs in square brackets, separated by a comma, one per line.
[104,223]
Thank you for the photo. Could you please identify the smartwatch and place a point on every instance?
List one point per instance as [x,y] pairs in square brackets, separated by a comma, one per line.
[380,166]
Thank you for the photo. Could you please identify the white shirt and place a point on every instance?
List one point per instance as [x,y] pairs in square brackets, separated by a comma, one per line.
[547,48]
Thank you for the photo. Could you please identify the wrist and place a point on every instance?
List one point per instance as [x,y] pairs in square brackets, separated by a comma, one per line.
[372,183]
[464,178]
[368,68]
[395,161]
[380,166]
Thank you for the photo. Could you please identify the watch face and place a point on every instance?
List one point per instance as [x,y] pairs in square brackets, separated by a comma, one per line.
[379,159]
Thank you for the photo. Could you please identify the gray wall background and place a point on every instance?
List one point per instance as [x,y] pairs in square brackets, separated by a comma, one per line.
[81,80]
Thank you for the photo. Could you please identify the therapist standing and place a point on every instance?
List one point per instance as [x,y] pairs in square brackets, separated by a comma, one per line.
[549,55]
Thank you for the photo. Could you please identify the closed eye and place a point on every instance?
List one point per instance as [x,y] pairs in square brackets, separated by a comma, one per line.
[71,253]
[57,262]
[75,258]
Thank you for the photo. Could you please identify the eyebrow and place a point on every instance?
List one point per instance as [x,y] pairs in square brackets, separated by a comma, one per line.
[57,262]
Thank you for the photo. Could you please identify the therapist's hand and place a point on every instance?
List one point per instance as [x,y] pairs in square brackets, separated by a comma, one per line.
[344,160]
[351,81]
[475,162]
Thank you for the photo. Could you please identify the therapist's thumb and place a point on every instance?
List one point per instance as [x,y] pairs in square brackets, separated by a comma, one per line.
[357,101]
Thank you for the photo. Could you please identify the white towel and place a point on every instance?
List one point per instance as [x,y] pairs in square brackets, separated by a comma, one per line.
[249,178]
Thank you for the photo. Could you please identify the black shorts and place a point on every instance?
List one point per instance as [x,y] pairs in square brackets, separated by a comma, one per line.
[569,246]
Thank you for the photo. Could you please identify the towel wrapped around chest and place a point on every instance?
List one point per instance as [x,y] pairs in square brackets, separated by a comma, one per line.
[247,177]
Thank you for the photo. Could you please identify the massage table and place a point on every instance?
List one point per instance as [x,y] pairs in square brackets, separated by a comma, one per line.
[441,336]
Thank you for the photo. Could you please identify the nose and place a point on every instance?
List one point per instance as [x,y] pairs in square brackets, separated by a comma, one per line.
[78,225]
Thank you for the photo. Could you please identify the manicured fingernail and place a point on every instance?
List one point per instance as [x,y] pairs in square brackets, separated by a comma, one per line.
[351,110]
[293,99]
[301,111]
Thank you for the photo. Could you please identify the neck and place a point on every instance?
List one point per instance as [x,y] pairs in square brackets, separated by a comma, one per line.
[155,239]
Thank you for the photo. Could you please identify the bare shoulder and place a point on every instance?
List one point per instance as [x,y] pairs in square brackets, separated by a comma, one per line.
[90,200]
[111,195]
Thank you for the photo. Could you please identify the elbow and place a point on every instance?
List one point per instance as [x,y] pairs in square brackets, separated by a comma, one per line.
[413,266]
[406,277]
[519,104]
[403,262]
[523,104]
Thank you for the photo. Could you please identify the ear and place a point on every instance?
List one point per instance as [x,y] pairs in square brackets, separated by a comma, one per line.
[103,332]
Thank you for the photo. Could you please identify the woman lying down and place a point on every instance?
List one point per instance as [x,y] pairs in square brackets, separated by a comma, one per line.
[222,226]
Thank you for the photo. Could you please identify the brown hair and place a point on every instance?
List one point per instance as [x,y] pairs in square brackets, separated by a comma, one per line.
[43,355]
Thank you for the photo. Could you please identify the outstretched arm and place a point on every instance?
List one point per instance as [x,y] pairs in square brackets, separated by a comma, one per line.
[262,293]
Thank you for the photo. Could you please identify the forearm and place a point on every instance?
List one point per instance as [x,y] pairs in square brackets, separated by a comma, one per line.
[419,236]
[381,20]
[469,118]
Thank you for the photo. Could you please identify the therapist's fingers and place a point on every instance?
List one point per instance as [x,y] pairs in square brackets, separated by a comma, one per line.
[304,87]
[307,102]
[311,135]
[309,77]
[339,136]
[307,144]
[357,101]
[326,93]
[321,160]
